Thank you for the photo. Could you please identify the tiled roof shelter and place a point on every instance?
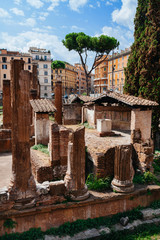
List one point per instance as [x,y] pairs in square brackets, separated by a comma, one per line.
[42,105]
[114,97]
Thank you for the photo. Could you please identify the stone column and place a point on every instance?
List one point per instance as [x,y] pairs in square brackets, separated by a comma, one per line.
[58,102]
[75,176]
[123,169]
[7,121]
[54,144]
[23,185]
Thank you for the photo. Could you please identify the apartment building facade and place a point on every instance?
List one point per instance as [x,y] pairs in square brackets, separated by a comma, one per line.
[101,76]
[81,80]
[116,64]
[42,58]
[68,76]
[5,66]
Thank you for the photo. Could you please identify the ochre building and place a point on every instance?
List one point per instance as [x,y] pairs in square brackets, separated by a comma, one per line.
[68,76]
[116,64]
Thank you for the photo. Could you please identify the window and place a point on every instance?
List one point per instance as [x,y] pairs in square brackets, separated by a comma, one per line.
[37,57]
[29,60]
[45,73]
[45,57]
[37,65]
[105,63]
[4,66]
[104,82]
[105,75]
[60,71]
[56,71]
[21,58]
[46,80]
[45,87]
[123,58]
[12,58]
[4,76]
[4,59]
[105,69]
[29,67]
[45,95]
[45,66]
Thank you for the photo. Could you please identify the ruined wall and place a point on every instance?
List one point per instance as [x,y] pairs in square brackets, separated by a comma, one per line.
[103,162]
[5,140]
[72,113]
[42,128]
[6,105]
[120,116]
[142,120]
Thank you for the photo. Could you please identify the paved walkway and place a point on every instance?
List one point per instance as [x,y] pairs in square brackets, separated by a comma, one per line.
[5,169]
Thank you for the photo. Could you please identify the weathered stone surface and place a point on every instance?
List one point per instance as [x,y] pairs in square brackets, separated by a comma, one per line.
[90,233]
[150,213]
[57,188]
[43,188]
[124,221]
[105,230]
[123,169]
[7,119]
[58,102]
[75,176]
[41,128]
[4,196]
[23,185]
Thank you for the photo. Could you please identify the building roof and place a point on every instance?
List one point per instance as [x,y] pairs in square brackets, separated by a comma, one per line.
[80,98]
[114,97]
[42,105]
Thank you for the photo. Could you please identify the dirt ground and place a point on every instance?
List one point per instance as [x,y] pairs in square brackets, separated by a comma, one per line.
[5,169]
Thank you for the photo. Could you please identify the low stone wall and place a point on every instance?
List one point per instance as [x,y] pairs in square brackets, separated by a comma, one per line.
[98,205]
[5,140]
[72,113]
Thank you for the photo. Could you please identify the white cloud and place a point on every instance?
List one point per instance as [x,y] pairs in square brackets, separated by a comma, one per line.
[75,5]
[4,13]
[18,2]
[98,4]
[91,6]
[125,15]
[75,28]
[35,3]
[54,3]
[124,37]
[17,11]
[29,22]
[24,40]
[109,3]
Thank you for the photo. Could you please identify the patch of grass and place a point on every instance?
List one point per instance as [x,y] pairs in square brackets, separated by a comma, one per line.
[1,107]
[42,148]
[98,184]
[51,118]
[145,178]
[86,125]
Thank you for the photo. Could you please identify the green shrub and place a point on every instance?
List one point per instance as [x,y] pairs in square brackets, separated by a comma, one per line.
[145,178]
[42,148]
[86,124]
[100,184]
[9,223]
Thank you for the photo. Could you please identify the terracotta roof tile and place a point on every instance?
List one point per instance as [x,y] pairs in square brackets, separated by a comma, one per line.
[42,105]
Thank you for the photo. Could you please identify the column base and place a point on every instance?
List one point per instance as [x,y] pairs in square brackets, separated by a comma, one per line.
[122,186]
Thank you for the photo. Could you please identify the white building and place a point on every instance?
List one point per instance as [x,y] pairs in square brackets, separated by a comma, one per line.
[43,59]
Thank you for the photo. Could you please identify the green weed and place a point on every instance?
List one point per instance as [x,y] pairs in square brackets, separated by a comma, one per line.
[42,148]
[98,184]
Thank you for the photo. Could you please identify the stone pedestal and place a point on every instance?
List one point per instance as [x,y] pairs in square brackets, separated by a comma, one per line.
[7,119]
[41,128]
[75,176]
[23,185]
[104,125]
[123,169]
[58,102]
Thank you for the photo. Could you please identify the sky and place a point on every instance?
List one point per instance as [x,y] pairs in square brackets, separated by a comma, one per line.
[44,24]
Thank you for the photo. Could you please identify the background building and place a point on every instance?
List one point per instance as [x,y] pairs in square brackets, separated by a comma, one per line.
[42,58]
[81,80]
[5,67]
[101,77]
[116,64]
[68,76]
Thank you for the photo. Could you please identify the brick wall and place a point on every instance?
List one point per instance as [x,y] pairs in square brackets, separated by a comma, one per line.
[72,113]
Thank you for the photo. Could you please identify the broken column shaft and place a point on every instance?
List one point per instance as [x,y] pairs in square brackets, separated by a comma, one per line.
[23,185]
[58,102]
[7,122]
[75,176]
[123,169]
